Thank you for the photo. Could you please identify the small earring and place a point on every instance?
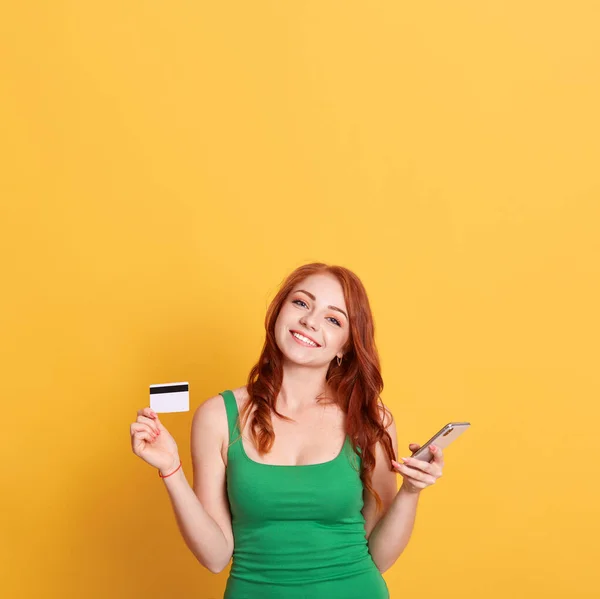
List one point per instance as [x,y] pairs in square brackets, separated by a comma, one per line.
[339,361]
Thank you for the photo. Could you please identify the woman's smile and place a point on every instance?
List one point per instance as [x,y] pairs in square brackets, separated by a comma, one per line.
[304,340]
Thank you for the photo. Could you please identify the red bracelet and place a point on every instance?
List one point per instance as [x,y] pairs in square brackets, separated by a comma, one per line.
[166,475]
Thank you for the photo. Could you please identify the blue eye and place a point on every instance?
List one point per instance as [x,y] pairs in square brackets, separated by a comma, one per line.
[331,318]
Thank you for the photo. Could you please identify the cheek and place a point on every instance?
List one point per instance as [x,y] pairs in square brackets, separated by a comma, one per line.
[338,338]
[282,323]
[282,319]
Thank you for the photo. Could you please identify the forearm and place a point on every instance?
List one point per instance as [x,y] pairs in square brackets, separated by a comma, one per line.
[201,533]
[390,536]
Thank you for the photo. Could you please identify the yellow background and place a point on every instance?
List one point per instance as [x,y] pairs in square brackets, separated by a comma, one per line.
[166,164]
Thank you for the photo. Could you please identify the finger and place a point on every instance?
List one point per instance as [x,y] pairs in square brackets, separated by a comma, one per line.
[139,440]
[438,455]
[138,427]
[413,446]
[418,464]
[148,412]
[413,474]
[414,467]
[150,422]
[138,435]
[404,469]
[416,484]
[158,422]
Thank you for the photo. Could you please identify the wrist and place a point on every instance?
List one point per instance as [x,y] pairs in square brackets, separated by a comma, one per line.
[409,490]
[164,472]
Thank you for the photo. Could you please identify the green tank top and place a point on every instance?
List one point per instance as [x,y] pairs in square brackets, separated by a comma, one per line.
[298,530]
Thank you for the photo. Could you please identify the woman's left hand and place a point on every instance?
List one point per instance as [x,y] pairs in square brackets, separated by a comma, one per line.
[418,474]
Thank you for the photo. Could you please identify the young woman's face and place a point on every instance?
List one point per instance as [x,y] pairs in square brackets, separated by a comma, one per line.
[312,327]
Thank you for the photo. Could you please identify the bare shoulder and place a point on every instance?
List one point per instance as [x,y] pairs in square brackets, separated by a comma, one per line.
[209,423]
[241,396]
[210,413]
[213,408]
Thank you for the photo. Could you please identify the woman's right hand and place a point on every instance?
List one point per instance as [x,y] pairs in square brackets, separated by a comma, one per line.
[152,442]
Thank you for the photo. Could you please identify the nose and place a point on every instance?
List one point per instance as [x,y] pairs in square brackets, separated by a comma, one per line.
[308,321]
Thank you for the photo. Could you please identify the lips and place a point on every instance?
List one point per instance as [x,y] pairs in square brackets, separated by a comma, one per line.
[305,335]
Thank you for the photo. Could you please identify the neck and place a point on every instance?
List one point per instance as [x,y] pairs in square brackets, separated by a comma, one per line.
[300,387]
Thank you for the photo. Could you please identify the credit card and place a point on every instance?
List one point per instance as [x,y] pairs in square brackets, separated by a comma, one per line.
[170,397]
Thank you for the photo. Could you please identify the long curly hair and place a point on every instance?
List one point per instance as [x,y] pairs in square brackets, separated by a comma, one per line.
[356,383]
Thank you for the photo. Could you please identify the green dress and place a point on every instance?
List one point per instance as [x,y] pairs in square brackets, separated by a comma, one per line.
[298,530]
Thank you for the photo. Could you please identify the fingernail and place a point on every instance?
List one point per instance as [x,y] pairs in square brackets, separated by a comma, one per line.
[432,447]
[406,459]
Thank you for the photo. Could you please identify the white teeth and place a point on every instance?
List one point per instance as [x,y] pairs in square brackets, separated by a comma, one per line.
[305,339]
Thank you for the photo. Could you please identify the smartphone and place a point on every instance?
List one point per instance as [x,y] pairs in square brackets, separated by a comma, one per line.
[441,439]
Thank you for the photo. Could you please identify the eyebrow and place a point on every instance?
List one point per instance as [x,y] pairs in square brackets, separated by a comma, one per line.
[312,297]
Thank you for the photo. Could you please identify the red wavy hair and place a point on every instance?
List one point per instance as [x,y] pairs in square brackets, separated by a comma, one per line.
[356,384]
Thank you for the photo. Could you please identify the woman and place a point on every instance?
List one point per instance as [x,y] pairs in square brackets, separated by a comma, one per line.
[301,517]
